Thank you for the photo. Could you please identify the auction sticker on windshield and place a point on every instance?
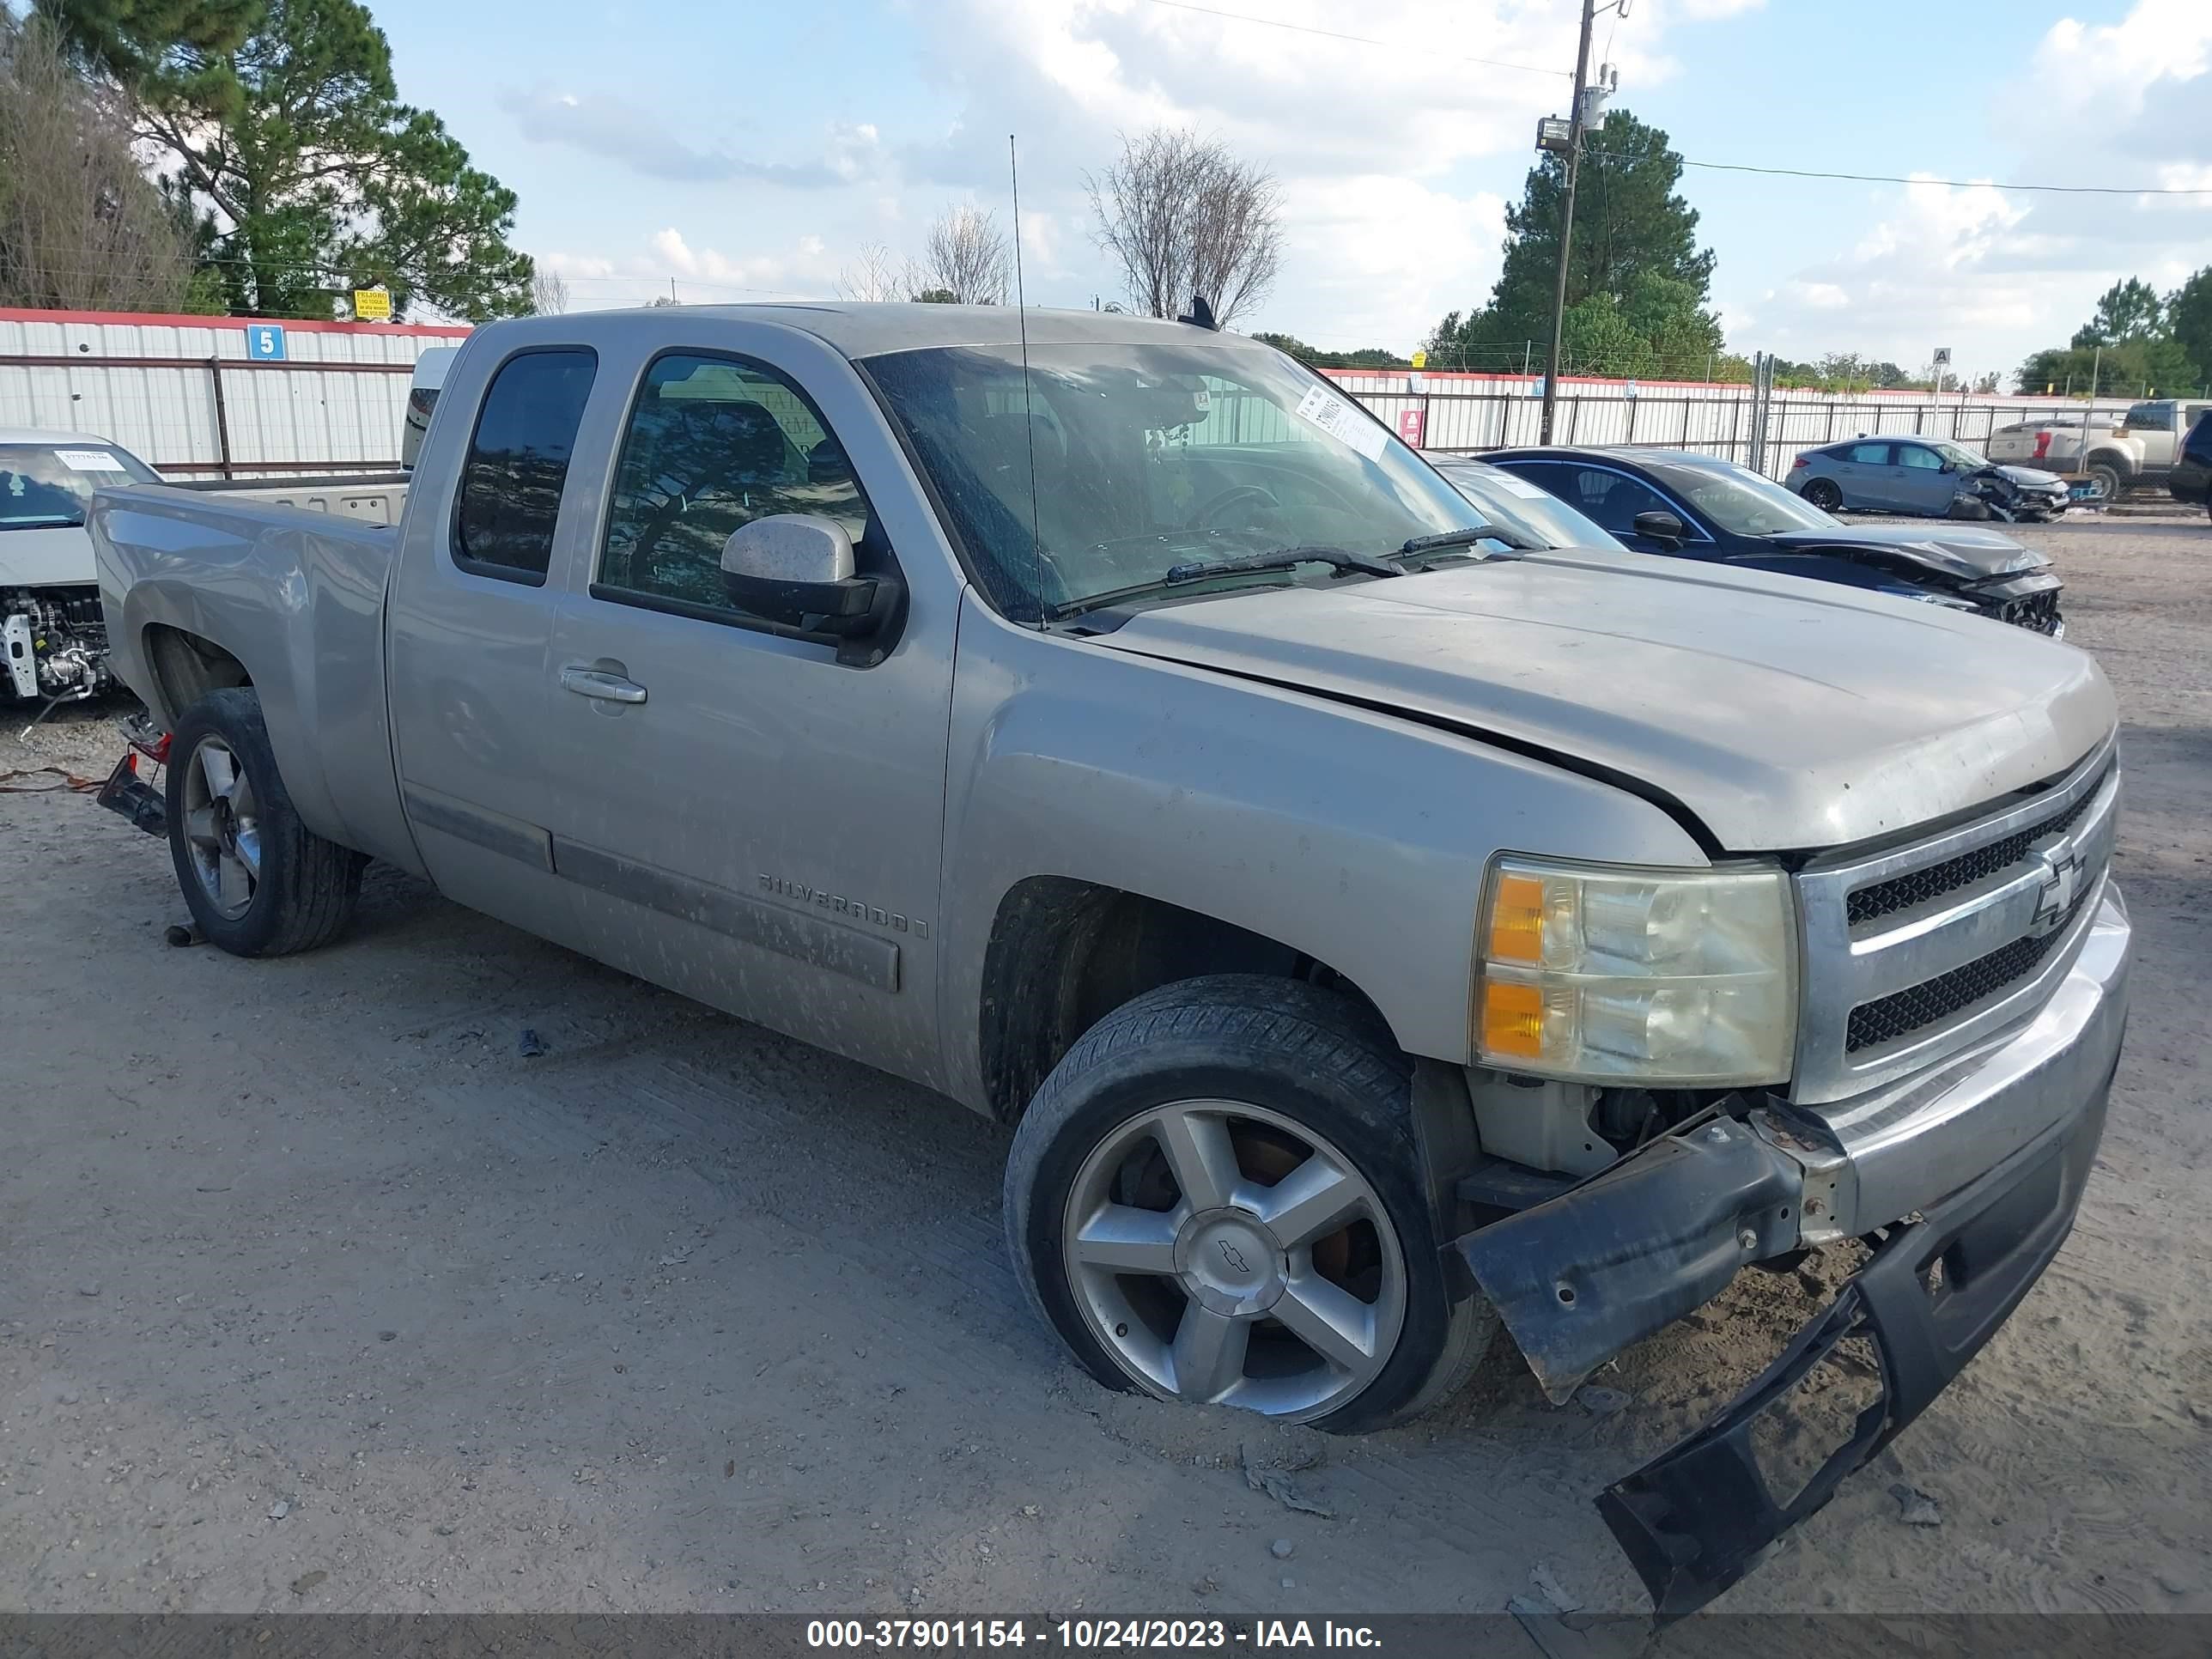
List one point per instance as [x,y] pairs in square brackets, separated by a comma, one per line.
[87,460]
[1343,422]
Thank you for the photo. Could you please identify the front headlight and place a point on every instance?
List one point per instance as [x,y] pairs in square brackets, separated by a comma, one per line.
[1667,977]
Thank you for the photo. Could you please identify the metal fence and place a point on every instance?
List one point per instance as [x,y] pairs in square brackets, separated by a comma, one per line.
[1472,412]
[202,396]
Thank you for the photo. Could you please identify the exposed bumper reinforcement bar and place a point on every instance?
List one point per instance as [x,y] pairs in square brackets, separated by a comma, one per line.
[1634,1248]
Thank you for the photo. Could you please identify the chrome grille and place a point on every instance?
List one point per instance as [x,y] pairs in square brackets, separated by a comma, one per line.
[1902,1012]
[1912,953]
[1921,886]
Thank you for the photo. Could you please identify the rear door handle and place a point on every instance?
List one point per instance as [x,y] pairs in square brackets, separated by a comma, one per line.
[607,687]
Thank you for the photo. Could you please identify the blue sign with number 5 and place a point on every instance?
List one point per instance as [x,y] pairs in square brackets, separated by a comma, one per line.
[265,342]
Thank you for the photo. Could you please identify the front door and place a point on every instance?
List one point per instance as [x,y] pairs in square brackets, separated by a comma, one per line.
[743,817]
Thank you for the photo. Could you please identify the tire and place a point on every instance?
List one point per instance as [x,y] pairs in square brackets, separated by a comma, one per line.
[2108,477]
[1823,494]
[1296,1080]
[257,881]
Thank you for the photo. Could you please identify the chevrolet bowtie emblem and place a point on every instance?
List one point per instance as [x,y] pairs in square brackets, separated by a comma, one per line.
[2062,886]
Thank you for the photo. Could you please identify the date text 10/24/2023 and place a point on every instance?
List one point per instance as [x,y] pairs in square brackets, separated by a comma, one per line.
[1087,1635]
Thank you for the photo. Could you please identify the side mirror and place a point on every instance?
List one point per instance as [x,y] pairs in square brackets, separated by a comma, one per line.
[1948,466]
[1661,528]
[796,568]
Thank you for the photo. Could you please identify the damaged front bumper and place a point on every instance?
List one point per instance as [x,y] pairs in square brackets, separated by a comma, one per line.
[1969,1176]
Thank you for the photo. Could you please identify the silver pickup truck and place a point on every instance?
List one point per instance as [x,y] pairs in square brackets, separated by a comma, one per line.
[1385,929]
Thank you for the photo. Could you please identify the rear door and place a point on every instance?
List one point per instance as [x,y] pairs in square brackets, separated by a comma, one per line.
[1867,474]
[1919,483]
[470,615]
[742,815]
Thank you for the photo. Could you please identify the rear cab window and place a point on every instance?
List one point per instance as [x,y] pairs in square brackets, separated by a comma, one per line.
[517,464]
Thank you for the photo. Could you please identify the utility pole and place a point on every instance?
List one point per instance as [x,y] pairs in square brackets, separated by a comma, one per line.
[1567,220]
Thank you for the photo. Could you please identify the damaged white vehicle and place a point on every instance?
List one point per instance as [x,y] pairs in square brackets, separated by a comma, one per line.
[52,636]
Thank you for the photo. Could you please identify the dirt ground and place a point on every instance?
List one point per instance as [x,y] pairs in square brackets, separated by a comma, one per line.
[315,1294]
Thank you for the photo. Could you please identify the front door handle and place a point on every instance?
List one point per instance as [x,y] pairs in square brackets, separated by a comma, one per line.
[607,687]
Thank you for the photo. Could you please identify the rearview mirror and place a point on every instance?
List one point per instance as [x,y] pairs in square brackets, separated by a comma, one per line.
[796,568]
[1663,527]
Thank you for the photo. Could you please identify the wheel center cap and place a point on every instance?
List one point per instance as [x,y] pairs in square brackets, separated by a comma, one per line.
[1229,1261]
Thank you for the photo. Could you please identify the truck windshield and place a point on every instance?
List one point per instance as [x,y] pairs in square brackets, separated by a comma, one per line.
[1148,458]
[44,489]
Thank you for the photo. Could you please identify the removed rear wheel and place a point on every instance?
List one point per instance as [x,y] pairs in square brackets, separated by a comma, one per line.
[1215,1197]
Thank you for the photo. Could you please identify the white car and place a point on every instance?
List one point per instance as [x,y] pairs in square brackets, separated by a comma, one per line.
[52,636]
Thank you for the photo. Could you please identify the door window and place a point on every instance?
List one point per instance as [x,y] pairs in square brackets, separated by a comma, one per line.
[1868,455]
[1919,459]
[714,443]
[517,462]
[1613,499]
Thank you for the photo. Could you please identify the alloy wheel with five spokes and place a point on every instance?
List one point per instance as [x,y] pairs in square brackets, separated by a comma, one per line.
[1225,1253]
[222,827]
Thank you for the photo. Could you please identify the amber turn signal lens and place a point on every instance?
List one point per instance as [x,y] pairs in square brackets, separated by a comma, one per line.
[1512,1019]
[1516,920]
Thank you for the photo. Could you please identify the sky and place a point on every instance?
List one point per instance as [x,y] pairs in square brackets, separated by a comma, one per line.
[752,151]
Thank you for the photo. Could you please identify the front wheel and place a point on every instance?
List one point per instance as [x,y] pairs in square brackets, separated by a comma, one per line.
[1216,1197]
[257,881]
[1824,494]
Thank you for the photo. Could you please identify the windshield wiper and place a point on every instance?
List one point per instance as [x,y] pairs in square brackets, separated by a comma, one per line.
[1467,538]
[1281,559]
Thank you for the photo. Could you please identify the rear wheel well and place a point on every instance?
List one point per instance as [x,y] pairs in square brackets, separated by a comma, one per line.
[187,667]
[2112,458]
[1064,954]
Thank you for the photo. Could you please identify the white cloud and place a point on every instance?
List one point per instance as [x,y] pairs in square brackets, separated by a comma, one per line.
[1998,273]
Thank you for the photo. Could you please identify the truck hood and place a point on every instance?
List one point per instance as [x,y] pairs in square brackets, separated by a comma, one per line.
[1964,554]
[60,557]
[1780,715]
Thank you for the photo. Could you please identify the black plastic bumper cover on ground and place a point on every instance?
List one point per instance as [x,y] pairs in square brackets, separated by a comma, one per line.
[1697,1517]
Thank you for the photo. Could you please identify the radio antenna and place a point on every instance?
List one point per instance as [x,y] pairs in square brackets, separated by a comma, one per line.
[1029,416]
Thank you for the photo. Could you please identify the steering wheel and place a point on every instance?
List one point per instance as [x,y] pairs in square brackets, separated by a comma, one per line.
[1236,494]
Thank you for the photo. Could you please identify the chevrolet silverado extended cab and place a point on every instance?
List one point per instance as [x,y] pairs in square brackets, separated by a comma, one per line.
[1386,931]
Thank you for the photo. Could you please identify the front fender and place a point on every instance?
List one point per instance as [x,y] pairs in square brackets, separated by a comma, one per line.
[1352,836]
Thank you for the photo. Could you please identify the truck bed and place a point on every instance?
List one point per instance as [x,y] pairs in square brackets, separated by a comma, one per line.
[295,598]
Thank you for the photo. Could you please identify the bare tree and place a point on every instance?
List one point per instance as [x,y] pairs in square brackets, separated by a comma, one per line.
[548,293]
[81,227]
[877,276]
[1184,218]
[965,257]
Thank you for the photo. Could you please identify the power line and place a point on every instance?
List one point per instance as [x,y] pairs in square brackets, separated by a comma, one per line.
[1715,167]
[1958,184]
[1360,39]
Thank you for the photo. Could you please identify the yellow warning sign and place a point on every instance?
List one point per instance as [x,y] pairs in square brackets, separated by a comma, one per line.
[1420,360]
[372,305]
